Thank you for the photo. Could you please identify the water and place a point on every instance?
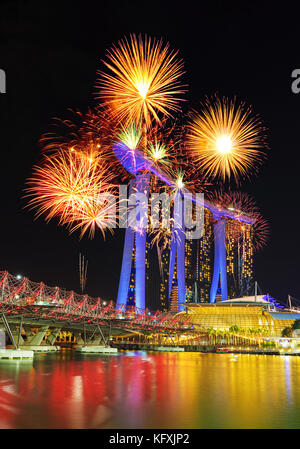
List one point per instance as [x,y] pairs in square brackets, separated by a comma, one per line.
[150,390]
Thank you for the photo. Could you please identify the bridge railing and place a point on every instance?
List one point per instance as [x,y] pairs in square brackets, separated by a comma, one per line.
[38,299]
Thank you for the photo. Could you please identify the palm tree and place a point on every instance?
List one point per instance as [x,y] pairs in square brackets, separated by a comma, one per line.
[219,335]
[228,336]
[234,330]
[210,331]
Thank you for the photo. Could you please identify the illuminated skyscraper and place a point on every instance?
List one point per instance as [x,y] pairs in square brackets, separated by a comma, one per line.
[197,269]
[153,277]
[203,262]
[131,290]
[164,278]
[239,258]
[188,269]
[173,300]
[246,255]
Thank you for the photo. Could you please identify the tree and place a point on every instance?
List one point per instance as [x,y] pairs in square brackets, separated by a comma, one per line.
[234,330]
[211,332]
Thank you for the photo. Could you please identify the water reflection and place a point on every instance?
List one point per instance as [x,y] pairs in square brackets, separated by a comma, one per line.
[138,389]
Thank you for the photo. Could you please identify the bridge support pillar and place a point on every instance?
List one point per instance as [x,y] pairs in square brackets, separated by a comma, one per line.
[79,339]
[53,336]
[96,344]
[34,341]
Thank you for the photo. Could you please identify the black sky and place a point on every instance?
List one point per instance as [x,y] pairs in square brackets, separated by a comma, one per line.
[51,51]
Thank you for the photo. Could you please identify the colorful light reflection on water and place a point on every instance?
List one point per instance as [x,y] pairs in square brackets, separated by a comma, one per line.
[150,390]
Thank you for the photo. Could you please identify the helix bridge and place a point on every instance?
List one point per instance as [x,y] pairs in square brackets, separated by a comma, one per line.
[35,302]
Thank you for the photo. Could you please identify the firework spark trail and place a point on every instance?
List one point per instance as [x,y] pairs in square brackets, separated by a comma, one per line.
[225,139]
[83,266]
[162,237]
[144,80]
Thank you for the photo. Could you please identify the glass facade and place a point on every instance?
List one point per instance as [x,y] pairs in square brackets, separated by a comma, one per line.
[245,316]
[239,259]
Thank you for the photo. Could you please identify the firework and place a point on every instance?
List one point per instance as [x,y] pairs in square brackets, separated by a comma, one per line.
[161,142]
[126,149]
[243,206]
[92,216]
[82,132]
[179,181]
[83,265]
[144,80]
[261,232]
[240,203]
[160,153]
[92,134]
[162,236]
[67,185]
[185,179]
[226,139]
[130,136]
[157,151]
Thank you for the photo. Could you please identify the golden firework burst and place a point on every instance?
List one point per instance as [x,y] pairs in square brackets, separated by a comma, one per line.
[144,80]
[226,139]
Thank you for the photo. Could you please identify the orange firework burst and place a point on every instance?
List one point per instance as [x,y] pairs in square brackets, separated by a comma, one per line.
[226,139]
[67,186]
[144,80]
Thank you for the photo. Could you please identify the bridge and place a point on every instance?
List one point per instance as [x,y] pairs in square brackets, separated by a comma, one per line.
[33,315]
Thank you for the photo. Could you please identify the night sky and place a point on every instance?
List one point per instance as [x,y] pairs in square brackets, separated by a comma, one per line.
[51,52]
